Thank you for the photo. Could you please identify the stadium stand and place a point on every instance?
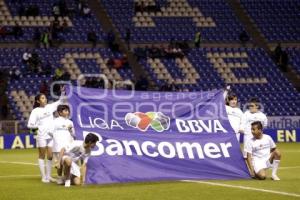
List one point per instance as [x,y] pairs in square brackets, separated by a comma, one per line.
[249,70]
[175,20]
[277,20]
[22,89]
[77,25]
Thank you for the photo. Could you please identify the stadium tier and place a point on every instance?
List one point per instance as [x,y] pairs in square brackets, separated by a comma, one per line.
[249,70]
[77,25]
[75,61]
[277,20]
[179,20]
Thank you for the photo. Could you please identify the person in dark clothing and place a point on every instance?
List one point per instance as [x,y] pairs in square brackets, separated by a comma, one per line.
[64,11]
[55,28]
[47,68]
[283,61]
[44,88]
[3,31]
[66,76]
[34,63]
[56,10]
[14,73]
[65,27]
[142,84]
[277,53]
[17,31]
[164,88]
[32,10]
[45,39]
[197,39]
[35,59]
[37,37]
[170,87]
[92,37]
[244,37]
[110,39]
[128,37]
[4,106]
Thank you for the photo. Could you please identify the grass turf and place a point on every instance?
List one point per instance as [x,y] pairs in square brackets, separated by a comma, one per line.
[14,186]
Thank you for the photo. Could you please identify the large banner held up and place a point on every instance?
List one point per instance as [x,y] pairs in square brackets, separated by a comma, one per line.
[150,136]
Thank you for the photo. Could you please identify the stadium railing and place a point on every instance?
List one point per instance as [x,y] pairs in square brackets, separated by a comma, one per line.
[9,127]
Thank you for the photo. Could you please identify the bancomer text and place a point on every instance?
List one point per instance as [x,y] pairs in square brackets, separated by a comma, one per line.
[181,150]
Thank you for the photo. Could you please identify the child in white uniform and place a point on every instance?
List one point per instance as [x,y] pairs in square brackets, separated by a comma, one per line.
[262,153]
[70,156]
[250,116]
[234,113]
[63,134]
[41,118]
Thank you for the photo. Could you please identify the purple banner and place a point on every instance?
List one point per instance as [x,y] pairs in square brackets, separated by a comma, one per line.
[147,136]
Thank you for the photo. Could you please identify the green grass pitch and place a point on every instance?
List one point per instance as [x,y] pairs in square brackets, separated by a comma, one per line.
[21,181]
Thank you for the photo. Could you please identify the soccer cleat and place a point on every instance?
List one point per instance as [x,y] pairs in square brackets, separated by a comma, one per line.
[68,183]
[60,180]
[275,178]
[45,180]
[51,179]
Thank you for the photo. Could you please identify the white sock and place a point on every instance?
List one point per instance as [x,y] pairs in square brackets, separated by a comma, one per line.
[68,183]
[49,168]
[275,166]
[42,167]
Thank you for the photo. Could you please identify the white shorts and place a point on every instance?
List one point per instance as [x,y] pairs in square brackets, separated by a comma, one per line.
[57,148]
[75,169]
[58,145]
[259,164]
[41,142]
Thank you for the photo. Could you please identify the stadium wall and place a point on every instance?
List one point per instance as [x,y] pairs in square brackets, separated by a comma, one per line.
[284,122]
[27,141]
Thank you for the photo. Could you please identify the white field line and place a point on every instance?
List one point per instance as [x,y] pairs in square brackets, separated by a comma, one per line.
[291,167]
[290,151]
[22,175]
[203,182]
[244,188]
[18,163]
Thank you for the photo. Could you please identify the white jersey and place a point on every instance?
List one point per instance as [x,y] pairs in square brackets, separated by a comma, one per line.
[248,118]
[77,152]
[260,148]
[235,117]
[42,119]
[63,133]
